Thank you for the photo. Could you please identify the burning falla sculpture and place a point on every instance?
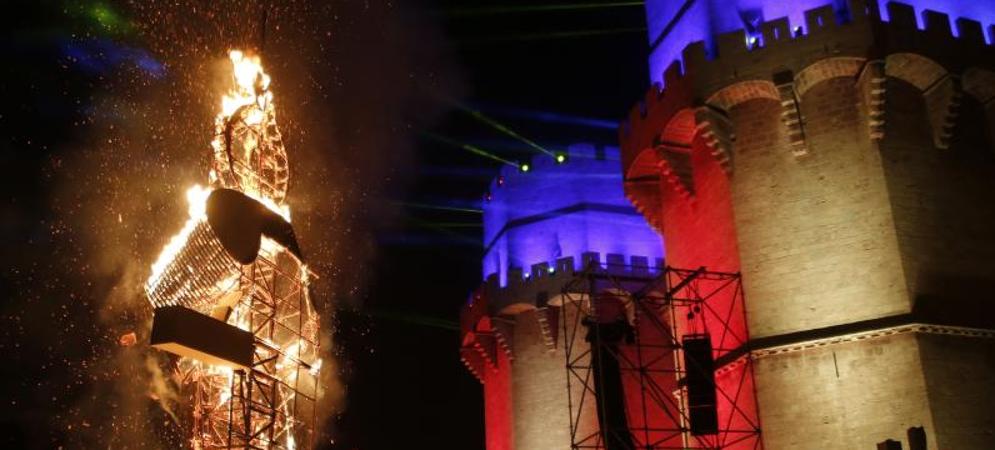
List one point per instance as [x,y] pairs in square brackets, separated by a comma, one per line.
[230,290]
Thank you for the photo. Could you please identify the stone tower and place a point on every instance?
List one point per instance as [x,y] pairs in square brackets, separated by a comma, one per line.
[539,227]
[839,155]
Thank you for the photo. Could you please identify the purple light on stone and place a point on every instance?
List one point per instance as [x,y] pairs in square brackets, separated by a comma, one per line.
[702,20]
[673,25]
[563,210]
[981,10]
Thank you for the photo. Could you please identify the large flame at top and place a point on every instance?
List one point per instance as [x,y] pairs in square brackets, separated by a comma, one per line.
[267,297]
[248,150]
[251,86]
[248,153]
[241,139]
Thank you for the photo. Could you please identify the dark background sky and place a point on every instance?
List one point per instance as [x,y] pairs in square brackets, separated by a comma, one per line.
[413,386]
[95,118]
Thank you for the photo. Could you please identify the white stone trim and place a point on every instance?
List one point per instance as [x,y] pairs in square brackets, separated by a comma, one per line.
[871,334]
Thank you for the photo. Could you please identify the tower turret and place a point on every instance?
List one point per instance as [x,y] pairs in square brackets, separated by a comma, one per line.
[560,207]
[842,159]
[541,227]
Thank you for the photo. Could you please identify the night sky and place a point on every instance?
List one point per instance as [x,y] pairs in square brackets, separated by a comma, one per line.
[106,118]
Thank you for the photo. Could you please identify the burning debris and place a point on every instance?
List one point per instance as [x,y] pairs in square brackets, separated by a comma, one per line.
[128,339]
[230,290]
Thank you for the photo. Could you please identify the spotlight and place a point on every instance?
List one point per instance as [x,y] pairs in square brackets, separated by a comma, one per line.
[524,167]
[561,158]
[551,269]
[488,196]
[500,180]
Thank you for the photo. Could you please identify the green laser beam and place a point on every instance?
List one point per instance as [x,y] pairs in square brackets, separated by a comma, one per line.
[504,129]
[469,147]
[535,8]
[415,319]
[440,207]
[457,225]
[457,236]
[551,36]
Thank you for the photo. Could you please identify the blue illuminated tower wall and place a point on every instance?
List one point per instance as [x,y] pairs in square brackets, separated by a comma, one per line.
[557,210]
[541,228]
[673,24]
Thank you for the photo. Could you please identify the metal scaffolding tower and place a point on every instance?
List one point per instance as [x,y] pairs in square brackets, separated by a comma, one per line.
[624,336]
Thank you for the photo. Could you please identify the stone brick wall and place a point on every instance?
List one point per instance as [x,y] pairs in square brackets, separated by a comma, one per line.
[702,228]
[858,195]
[816,232]
[539,389]
[942,201]
[846,396]
[498,414]
[958,372]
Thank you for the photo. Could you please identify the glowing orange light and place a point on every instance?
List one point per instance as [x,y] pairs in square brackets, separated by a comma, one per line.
[249,157]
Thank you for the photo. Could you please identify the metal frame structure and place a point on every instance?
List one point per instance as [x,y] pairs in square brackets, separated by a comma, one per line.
[661,307]
[271,405]
[249,154]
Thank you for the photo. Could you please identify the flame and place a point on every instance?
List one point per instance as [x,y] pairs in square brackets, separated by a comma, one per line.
[197,211]
[283,211]
[248,156]
[251,86]
[246,127]
[316,367]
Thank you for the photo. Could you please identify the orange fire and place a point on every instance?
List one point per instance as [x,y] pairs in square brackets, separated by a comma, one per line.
[251,99]
[249,156]
[196,208]
[248,153]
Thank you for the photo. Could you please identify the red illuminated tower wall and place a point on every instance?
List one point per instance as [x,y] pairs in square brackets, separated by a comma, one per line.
[541,228]
[848,171]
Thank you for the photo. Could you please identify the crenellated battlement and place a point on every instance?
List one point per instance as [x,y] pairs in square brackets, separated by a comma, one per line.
[540,286]
[821,24]
[782,61]
[488,318]
[860,33]
[836,164]
[561,208]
